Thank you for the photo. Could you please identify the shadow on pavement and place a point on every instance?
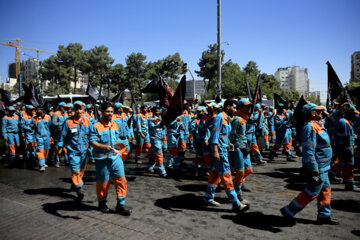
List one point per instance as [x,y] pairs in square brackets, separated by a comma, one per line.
[68,205]
[260,221]
[356,232]
[192,187]
[57,192]
[187,201]
[54,208]
[346,205]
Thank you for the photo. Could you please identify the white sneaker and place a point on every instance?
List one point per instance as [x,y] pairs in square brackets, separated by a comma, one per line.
[213,203]
[42,169]
[45,165]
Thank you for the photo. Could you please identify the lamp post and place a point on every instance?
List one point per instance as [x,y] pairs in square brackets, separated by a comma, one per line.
[218,89]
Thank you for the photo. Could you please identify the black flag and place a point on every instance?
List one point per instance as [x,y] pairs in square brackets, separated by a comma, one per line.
[257,95]
[248,89]
[335,87]
[298,118]
[5,97]
[118,98]
[92,91]
[176,107]
[278,99]
[33,96]
[161,87]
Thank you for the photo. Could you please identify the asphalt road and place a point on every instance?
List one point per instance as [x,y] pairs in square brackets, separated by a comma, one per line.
[36,205]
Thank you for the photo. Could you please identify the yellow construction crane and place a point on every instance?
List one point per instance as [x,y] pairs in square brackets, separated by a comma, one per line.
[17,53]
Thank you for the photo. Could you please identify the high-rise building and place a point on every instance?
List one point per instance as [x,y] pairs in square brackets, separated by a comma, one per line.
[29,70]
[294,78]
[355,66]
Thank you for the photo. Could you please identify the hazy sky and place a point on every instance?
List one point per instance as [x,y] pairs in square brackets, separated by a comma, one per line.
[273,33]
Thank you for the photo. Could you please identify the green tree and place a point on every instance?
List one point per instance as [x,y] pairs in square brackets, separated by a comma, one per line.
[58,76]
[71,56]
[155,69]
[98,66]
[117,77]
[313,100]
[251,69]
[291,95]
[208,66]
[135,74]
[269,86]
[232,80]
[354,91]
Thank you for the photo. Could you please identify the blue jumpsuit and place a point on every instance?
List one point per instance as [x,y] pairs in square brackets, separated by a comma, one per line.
[108,165]
[28,128]
[156,140]
[317,153]
[220,171]
[10,130]
[172,139]
[240,158]
[251,128]
[344,147]
[283,133]
[42,134]
[75,136]
[58,119]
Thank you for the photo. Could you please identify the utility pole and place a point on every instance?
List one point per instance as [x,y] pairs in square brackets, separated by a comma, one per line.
[218,89]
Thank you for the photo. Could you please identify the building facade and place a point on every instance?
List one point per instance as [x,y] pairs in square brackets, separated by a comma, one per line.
[200,88]
[355,66]
[294,78]
[9,84]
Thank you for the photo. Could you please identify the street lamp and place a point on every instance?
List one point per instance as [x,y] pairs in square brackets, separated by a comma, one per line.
[218,90]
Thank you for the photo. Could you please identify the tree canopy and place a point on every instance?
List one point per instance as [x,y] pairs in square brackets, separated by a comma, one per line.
[64,67]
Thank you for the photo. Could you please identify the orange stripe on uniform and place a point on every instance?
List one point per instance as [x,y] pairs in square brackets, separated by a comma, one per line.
[102,189]
[120,186]
[227,182]
[324,197]
[303,199]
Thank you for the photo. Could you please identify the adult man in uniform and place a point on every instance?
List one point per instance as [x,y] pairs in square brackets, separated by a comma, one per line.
[108,163]
[317,153]
[75,136]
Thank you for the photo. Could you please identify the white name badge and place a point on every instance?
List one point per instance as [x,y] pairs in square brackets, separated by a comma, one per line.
[73,130]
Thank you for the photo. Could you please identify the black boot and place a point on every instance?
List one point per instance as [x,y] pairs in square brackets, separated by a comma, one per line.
[123,210]
[103,207]
[80,194]
[328,220]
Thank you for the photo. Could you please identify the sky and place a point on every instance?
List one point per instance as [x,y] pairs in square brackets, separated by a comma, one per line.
[273,33]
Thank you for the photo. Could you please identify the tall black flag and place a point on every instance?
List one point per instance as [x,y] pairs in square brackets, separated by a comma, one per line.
[335,87]
[257,95]
[278,99]
[175,108]
[298,118]
[118,98]
[92,91]
[248,89]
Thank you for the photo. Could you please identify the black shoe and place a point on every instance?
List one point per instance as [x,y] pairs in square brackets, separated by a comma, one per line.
[123,210]
[80,194]
[351,188]
[290,159]
[328,220]
[103,207]
[289,219]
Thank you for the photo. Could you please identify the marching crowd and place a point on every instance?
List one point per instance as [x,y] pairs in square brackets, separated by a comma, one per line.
[227,138]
